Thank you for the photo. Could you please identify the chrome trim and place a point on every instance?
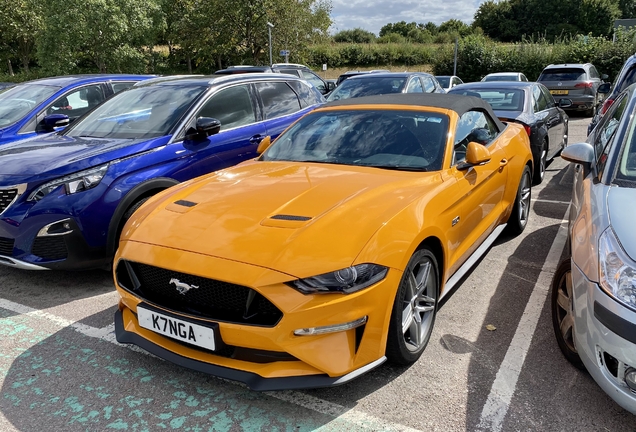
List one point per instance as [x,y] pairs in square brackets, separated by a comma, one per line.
[44,231]
[21,188]
[334,328]
[12,262]
[356,373]
[472,260]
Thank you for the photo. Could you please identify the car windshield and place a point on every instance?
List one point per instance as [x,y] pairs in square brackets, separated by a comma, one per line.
[388,139]
[444,81]
[137,113]
[501,78]
[564,74]
[353,88]
[16,102]
[499,99]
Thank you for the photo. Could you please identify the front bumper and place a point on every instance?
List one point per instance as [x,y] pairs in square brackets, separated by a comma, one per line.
[303,361]
[604,338]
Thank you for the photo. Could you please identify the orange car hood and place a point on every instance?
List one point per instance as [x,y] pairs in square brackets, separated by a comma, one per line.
[299,219]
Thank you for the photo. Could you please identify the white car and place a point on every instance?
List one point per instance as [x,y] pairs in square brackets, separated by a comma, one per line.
[505,76]
[448,81]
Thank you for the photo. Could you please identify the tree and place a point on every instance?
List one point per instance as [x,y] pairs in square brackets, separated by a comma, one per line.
[627,8]
[109,34]
[402,28]
[455,26]
[356,35]
[21,23]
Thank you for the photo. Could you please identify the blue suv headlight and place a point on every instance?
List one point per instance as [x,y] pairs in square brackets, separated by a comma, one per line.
[73,183]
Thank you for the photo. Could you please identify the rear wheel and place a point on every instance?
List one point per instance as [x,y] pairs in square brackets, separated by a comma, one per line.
[539,167]
[521,208]
[414,309]
[563,314]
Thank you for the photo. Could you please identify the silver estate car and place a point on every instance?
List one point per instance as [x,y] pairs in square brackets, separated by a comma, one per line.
[594,292]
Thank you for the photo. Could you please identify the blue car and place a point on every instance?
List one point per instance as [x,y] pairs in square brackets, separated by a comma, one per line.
[65,197]
[39,106]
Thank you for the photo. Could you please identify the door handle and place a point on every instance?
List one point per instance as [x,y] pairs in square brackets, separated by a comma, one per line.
[256,139]
[503,162]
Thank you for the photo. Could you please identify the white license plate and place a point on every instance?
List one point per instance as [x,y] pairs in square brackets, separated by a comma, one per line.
[176,329]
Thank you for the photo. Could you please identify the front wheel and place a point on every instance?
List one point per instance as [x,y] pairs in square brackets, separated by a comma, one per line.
[414,309]
[562,312]
[521,208]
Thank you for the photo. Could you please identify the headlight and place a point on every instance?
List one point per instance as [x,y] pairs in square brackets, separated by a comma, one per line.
[618,271]
[347,281]
[77,182]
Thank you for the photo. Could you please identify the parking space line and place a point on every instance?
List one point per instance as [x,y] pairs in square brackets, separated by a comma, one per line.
[503,388]
[342,415]
[550,201]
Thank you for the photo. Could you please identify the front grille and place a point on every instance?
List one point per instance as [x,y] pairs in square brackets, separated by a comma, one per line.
[50,248]
[6,197]
[211,299]
[6,246]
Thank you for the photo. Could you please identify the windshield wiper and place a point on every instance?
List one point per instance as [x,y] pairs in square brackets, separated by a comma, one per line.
[397,167]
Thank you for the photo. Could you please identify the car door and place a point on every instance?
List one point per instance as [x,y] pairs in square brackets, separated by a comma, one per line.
[482,187]
[240,133]
[280,106]
[554,121]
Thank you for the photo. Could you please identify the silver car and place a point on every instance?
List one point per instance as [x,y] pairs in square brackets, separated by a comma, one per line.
[594,292]
[578,82]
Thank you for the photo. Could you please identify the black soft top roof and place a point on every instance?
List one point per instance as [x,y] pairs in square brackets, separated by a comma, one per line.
[458,103]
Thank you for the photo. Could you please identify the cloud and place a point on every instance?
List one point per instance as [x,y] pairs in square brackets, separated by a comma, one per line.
[372,15]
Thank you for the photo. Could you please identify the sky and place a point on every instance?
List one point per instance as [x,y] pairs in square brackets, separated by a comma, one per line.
[371,15]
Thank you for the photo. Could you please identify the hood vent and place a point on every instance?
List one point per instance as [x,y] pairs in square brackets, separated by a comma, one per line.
[291,218]
[185,203]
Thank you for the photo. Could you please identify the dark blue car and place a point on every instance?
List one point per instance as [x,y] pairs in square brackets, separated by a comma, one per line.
[65,197]
[26,109]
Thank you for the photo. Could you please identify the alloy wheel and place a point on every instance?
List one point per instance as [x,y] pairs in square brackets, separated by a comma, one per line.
[420,297]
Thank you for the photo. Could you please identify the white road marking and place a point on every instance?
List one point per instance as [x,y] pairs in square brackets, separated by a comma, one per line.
[550,201]
[340,413]
[503,388]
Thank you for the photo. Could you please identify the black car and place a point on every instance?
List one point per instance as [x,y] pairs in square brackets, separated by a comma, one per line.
[298,70]
[625,78]
[352,73]
[531,105]
[379,83]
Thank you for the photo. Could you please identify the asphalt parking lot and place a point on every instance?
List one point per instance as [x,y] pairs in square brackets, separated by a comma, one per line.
[61,369]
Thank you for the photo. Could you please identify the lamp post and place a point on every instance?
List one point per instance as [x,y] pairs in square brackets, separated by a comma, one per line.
[270,26]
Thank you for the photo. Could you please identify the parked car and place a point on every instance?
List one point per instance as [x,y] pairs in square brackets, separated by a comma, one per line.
[349,74]
[386,83]
[531,105]
[448,81]
[4,85]
[505,76]
[44,105]
[594,290]
[341,238]
[66,196]
[298,70]
[625,78]
[578,82]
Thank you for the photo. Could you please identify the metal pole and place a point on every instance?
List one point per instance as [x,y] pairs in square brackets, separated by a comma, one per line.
[455,64]
[269,31]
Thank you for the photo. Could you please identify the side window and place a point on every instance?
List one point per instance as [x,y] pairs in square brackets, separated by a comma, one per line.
[119,86]
[77,102]
[317,82]
[594,72]
[415,86]
[278,99]
[294,72]
[472,126]
[547,96]
[605,134]
[307,95]
[231,106]
[538,101]
[429,85]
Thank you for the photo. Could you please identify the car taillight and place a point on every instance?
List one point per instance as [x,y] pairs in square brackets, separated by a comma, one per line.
[584,84]
[608,103]
[528,129]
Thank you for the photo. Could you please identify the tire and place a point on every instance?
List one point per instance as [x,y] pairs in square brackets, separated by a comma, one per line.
[132,209]
[562,314]
[521,208]
[414,309]
[539,168]
[592,111]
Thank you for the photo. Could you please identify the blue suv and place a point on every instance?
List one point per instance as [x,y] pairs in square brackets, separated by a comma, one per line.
[39,106]
[65,197]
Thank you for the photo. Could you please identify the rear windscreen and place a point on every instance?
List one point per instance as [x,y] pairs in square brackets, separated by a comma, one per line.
[565,74]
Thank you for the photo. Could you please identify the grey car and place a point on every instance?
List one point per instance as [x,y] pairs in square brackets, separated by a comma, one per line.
[594,291]
[576,81]
[374,84]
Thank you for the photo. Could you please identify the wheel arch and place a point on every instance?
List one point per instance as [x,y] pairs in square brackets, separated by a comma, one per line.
[140,191]
[434,244]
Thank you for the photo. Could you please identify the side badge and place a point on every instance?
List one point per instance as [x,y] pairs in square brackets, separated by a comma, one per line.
[456,221]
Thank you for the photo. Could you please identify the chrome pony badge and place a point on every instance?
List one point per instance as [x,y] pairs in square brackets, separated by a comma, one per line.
[182,287]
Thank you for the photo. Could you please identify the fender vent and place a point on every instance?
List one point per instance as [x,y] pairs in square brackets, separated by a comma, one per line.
[291,217]
[185,203]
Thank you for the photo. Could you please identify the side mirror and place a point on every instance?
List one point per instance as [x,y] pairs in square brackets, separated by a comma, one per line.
[52,121]
[604,88]
[264,145]
[476,154]
[565,103]
[581,153]
[604,77]
[205,126]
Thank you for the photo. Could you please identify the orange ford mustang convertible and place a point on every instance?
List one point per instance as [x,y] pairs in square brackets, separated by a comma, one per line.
[329,253]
